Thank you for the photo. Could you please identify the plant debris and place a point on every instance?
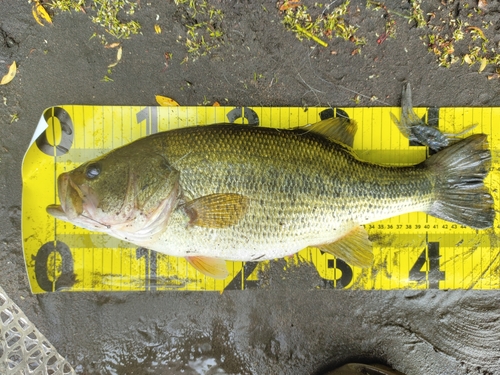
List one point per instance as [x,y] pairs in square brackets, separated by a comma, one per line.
[105,13]
[455,31]
[319,21]
[467,39]
[203,26]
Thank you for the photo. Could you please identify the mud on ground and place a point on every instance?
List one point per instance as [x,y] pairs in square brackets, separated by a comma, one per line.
[289,327]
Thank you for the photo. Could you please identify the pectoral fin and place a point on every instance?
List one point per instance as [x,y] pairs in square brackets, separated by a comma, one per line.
[212,267]
[217,210]
[354,247]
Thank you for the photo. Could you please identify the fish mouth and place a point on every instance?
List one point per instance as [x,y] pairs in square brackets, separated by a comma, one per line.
[71,198]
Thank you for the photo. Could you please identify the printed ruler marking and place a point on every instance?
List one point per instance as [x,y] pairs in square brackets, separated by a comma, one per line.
[74,259]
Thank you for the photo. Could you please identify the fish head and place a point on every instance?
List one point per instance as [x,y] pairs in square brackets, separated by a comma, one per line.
[118,192]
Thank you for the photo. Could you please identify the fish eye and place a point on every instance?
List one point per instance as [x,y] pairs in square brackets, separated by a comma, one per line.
[93,170]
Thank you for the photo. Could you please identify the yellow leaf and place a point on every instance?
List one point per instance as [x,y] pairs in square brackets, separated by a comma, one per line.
[484,62]
[119,54]
[43,13]
[112,45]
[118,57]
[166,102]
[39,13]
[467,59]
[35,15]
[158,29]
[10,75]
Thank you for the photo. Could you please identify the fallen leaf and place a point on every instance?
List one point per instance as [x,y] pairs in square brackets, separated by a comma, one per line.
[216,104]
[493,76]
[35,15]
[40,14]
[10,74]
[484,62]
[157,29]
[482,4]
[467,59]
[290,5]
[478,30]
[166,102]
[118,57]
[112,45]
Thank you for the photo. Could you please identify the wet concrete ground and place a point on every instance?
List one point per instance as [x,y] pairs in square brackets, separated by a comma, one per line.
[288,327]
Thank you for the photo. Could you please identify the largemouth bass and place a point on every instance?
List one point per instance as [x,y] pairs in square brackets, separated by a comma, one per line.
[234,192]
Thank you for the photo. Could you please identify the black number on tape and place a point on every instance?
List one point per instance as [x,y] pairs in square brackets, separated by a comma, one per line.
[434,274]
[66,130]
[58,274]
[345,274]
[239,112]
[150,115]
[151,258]
[240,281]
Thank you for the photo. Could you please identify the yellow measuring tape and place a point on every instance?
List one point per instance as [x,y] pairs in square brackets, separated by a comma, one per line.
[412,251]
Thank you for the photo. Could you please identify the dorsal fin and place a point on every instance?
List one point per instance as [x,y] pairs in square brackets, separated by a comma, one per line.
[337,129]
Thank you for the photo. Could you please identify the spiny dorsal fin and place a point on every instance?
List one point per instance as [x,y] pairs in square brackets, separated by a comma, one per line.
[354,247]
[217,210]
[212,267]
[337,129]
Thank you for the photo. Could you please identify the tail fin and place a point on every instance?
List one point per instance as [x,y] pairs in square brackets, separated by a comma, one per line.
[461,196]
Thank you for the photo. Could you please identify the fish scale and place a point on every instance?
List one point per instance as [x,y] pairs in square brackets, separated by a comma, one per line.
[301,188]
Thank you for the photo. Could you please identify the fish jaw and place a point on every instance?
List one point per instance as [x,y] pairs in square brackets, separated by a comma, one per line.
[83,221]
[70,196]
[57,211]
[78,205]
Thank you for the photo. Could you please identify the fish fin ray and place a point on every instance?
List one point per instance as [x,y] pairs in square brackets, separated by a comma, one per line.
[212,267]
[354,247]
[460,170]
[337,129]
[217,210]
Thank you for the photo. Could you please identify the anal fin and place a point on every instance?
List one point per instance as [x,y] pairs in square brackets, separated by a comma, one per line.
[354,247]
[212,267]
